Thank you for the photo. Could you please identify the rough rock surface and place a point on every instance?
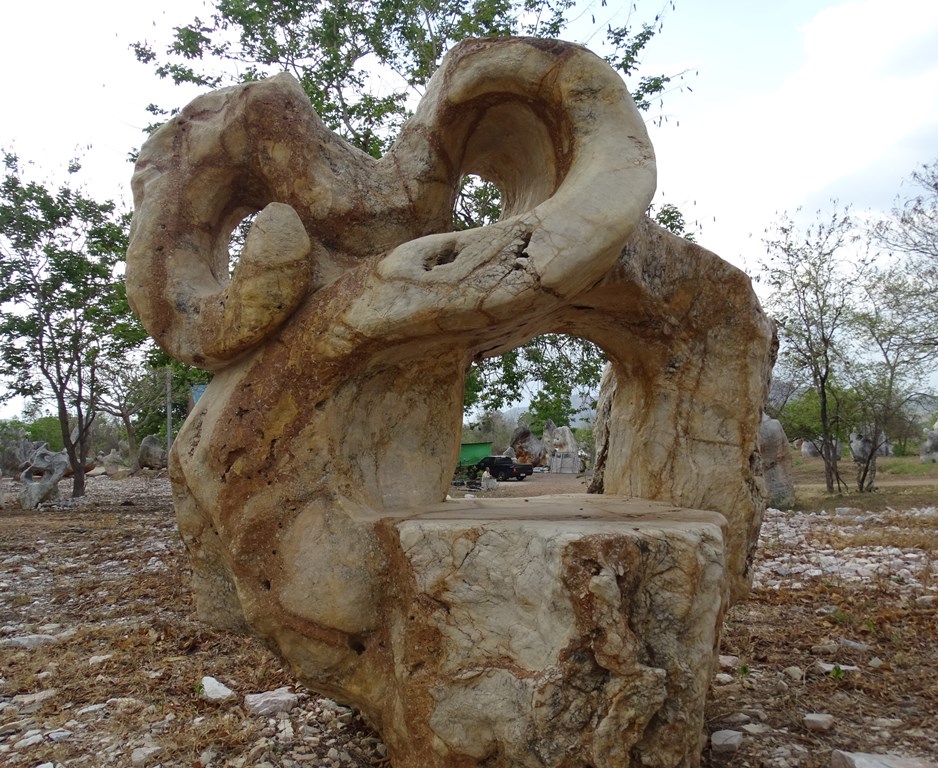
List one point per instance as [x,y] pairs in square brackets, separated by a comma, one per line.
[841,759]
[341,343]
[608,615]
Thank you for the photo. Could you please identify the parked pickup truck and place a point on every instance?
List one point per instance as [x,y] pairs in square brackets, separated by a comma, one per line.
[503,467]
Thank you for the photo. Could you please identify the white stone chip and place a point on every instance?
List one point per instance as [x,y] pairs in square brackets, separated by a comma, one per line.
[141,754]
[27,641]
[818,722]
[864,760]
[726,742]
[213,690]
[271,702]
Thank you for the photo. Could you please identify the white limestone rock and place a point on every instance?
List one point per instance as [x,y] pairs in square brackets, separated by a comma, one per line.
[214,690]
[818,722]
[308,482]
[594,617]
[726,742]
[270,702]
[841,759]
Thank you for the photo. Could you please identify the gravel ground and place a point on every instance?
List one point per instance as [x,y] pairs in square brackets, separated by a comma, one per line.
[102,660]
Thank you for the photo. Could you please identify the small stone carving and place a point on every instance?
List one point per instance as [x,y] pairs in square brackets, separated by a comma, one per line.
[809,450]
[112,463]
[489,483]
[309,480]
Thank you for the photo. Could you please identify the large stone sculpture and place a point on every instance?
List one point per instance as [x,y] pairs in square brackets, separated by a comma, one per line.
[310,480]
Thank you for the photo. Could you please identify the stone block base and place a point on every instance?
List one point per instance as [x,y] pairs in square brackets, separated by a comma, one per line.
[565,631]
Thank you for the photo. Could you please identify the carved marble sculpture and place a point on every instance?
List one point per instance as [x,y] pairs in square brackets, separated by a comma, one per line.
[310,481]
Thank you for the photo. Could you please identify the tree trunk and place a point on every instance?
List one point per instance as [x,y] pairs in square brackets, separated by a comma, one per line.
[131,433]
[78,480]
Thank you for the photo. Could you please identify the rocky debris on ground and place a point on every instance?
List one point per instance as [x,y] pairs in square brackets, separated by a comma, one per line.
[726,742]
[788,560]
[817,721]
[838,572]
[105,577]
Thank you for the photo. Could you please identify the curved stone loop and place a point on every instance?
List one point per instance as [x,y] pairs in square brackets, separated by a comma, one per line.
[554,127]
[550,123]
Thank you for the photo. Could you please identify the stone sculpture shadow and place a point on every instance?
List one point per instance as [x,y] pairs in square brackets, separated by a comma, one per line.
[310,482]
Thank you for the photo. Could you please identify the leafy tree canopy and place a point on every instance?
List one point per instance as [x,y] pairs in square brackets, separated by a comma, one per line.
[63,310]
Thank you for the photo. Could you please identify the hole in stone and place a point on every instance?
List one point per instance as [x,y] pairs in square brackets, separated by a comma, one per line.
[521,398]
[446,256]
[478,203]
[265,584]
[522,250]
[357,645]
[236,242]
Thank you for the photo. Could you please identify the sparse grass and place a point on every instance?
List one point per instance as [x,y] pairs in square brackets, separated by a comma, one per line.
[902,482]
[808,470]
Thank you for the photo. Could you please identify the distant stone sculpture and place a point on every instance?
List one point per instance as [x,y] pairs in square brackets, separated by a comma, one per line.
[928,451]
[561,439]
[15,454]
[310,479]
[776,463]
[809,450]
[151,454]
[489,483]
[531,449]
[41,477]
[112,463]
[528,447]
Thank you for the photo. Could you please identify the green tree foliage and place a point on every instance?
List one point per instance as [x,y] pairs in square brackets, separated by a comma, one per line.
[63,310]
[361,63]
[911,233]
[48,430]
[892,353]
[131,392]
[857,344]
[151,420]
[492,426]
[810,300]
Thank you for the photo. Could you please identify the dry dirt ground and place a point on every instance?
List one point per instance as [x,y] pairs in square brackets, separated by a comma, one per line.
[111,676]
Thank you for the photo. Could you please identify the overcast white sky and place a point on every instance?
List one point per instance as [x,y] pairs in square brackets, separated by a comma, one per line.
[792,103]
